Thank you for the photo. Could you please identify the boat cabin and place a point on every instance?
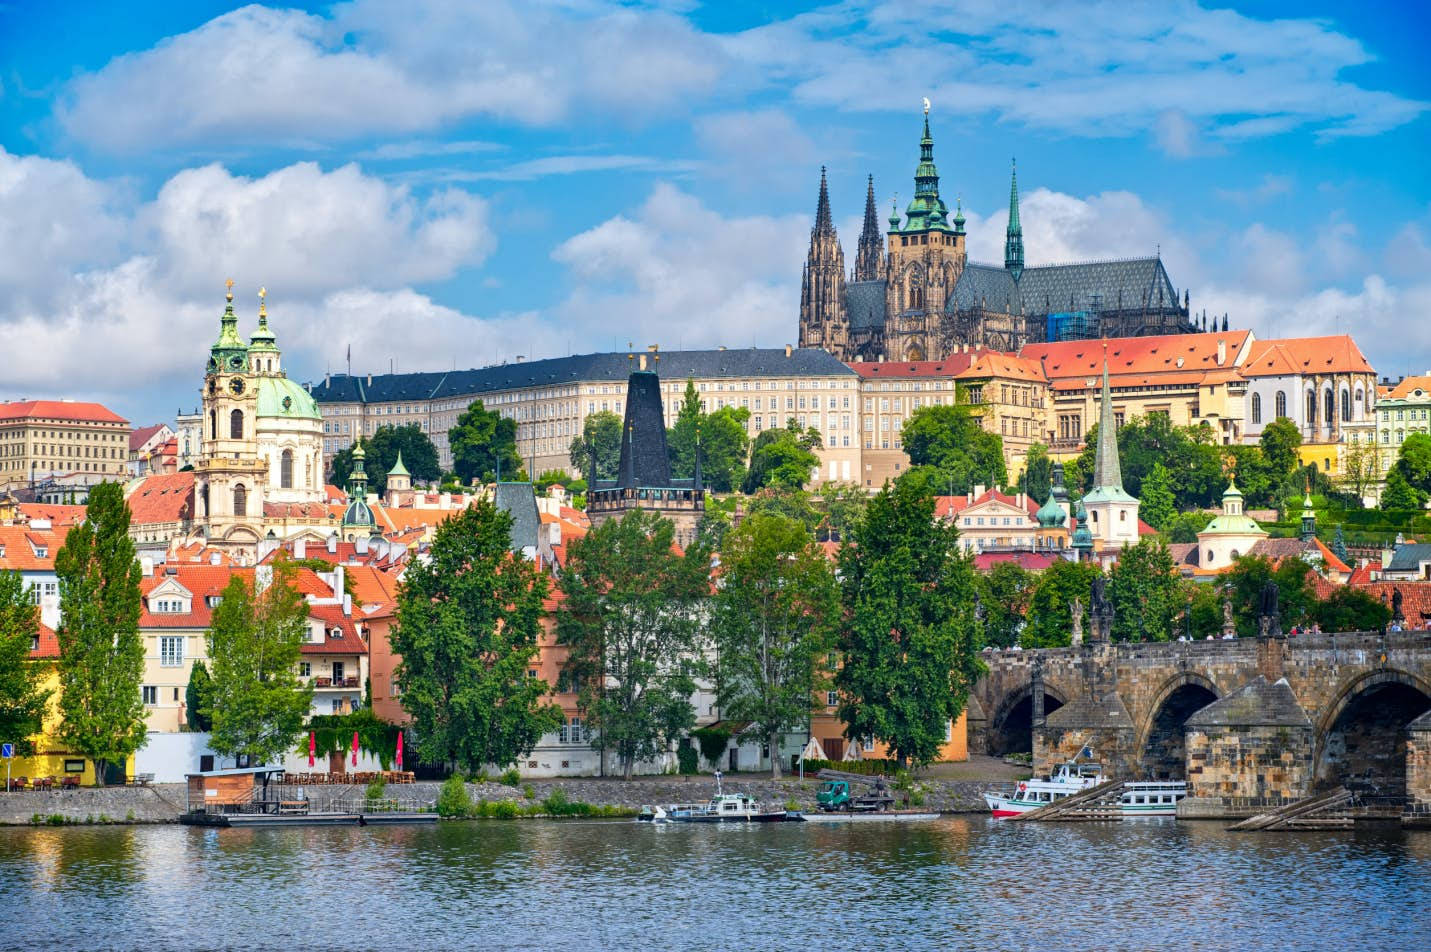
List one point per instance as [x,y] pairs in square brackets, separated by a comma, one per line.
[232,790]
[732,804]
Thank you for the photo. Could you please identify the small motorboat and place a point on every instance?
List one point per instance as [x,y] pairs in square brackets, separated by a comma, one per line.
[667,812]
[733,808]
[1070,778]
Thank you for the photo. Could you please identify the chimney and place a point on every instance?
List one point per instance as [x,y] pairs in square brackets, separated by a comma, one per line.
[979,490]
[370,380]
[1221,352]
[146,566]
[641,362]
[332,544]
[788,348]
[300,548]
[215,558]
[347,605]
[360,545]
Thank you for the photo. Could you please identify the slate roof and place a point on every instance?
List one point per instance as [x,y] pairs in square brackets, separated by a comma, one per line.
[1123,283]
[614,367]
[1109,713]
[520,501]
[1256,704]
[864,303]
[1408,557]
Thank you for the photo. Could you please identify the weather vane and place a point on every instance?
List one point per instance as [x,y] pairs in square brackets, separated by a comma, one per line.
[262,304]
[926,105]
[229,289]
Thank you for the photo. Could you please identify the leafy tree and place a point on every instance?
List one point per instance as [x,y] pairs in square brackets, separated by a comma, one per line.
[1050,617]
[1158,506]
[1400,494]
[419,456]
[1184,526]
[908,648]
[681,437]
[1145,593]
[199,698]
[1255,478]
[483,443]
[773,617]
[22,698]
[1038,473]
[1004,592]
[600,434]
[255,642]
[1339,545]
[1351,609]
[954,441]
[723,442]
[101,654]
[1247,577]
[1361,467]
[1413,462]
[630,619]
[1280,441]
[1204,604]
[793,503]
[1191,452]
[844,506]
[783,457]
[469,619]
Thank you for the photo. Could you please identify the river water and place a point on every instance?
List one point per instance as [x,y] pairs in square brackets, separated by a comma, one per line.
[956,883]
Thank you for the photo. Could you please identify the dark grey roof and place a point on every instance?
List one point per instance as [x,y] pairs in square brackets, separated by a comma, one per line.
[645,460]
[864,303]
[1048,289]
[1108,714]
[1256,704]
[1408,557]
[614,367]
[520,501]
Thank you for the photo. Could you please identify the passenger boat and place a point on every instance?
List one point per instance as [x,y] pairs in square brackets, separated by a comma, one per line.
[735,808]
[1070,778]
[1151,797]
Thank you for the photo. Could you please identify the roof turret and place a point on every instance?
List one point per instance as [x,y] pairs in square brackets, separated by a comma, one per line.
[1082,539]
[927,212]
[1014,234]
[824,223]
[398,468]
[229,352]
[358,514]
[263,339]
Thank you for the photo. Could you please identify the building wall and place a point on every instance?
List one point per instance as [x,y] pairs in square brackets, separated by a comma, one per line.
[37,448]
[169,680]
[52,756]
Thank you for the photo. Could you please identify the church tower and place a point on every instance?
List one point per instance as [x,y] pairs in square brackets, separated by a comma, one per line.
[1014,233]
[1112,513]
[926,257]
[230,475]
[869,261]
[823,321]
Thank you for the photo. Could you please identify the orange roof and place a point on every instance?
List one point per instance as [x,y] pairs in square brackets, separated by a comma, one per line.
[48,645]
[1009,366]
[1165,354]
[57,514]
[201,581]
[948,506]
[332,617]
[166,497]
[1407,387]
[58,410]
[1305,355]
[951,366]
[20,547]
[371,585]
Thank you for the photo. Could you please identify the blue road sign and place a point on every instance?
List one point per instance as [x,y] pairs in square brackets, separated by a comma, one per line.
[7,750]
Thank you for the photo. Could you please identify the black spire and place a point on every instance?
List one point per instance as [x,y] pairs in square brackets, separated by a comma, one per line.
[867,260]
[644,458]
[824,224]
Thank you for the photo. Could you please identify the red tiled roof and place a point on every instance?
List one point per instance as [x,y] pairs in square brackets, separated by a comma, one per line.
[1032,561]
[332,617]
[58,410]
[372,585]
[951,366]
[137,438]
[49,645]
[1415,600]
[947,506]
[1407,387]
[1337,353]
[165,497]
[201,581]
[21,545]
[1138,356]
[59,515]
[997,364]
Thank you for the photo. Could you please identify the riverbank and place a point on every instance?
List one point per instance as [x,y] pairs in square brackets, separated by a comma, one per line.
[944,788]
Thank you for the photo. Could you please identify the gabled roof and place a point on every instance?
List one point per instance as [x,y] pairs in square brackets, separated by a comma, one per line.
[1408,557]
[137,438]
[21,546]
[1337,353]
[48,645]
[70,411]
[201,581]
[332,617]
[950,506]
[166,497]
[1408,388]
[994,363]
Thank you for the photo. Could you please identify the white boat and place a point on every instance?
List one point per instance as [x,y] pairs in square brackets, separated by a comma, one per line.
[1070,778]
[1151,797]
[735,808]
[668,812]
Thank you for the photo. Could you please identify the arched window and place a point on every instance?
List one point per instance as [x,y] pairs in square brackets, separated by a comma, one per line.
[1346,406]
[1281,403]
[240,499]
[236,425]
[1311,408]
[1257,408]
[1329,407]
[213,424]
[285,470]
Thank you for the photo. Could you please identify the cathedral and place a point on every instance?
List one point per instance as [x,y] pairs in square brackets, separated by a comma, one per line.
[916,296]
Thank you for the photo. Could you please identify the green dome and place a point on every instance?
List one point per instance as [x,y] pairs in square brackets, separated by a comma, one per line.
[1051,515]
[281,397]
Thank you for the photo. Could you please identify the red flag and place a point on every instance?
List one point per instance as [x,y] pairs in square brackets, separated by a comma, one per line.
[312,747]
[399,751]
[355,748]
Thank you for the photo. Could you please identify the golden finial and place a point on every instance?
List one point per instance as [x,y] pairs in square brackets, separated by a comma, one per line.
[1229,467]
[229,290]
[262,304]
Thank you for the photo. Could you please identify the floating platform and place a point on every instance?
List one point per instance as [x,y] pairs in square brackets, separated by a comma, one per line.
[886,816]
[304,819]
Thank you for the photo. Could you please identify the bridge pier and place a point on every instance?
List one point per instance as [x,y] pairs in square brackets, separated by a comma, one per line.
[1418,760]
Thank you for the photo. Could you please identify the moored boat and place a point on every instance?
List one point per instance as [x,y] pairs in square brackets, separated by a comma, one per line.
[1151,797]
[1070,778]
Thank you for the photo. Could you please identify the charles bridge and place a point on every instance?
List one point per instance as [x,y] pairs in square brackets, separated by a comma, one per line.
[1245,721]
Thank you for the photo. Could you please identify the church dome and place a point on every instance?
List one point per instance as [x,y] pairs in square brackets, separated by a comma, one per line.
[1051,515]
[281,397]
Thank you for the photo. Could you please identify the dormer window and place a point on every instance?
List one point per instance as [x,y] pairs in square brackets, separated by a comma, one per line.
[336,633]
[34,642]
[41,551]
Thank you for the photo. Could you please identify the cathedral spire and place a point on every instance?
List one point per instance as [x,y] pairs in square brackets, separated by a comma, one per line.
[867,259]
[927,211]
[1014,235]
[1107,468]
[824,224]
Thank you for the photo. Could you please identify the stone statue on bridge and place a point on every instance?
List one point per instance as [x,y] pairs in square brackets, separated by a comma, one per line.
[1100,610]
[1075,610]
[1269,616]
[1229,627]
[1397,615]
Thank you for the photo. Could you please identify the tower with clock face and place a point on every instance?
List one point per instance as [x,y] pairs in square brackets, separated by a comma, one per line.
[230,475]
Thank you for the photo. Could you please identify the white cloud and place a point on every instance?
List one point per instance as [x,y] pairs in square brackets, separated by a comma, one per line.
[1271,186]
[757,148]
[681,275]
[290,77]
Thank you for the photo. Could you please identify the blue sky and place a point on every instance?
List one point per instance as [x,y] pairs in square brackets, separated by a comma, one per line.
[437,183]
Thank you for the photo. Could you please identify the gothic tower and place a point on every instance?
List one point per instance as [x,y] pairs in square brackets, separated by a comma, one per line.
[869,262]
[926,257]
[1014,234]
[823,321]
[230,476]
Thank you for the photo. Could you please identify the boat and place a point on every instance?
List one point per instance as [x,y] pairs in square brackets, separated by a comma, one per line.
[667,812]
[1151,797]
[1070,778]
[735,808]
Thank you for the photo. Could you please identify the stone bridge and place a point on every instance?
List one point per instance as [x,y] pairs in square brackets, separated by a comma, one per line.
[1251,719]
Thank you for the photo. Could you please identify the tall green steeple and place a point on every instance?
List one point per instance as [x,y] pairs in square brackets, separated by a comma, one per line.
[229,352]
[263,339]
[927,212]
[358,514]
[1014,234]
[1107,468]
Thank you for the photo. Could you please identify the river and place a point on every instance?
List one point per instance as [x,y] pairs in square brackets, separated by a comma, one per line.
[956,883]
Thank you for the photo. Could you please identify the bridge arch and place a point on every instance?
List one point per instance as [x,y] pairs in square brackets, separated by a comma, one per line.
[1361,735]
[1011,728]
[1162,748]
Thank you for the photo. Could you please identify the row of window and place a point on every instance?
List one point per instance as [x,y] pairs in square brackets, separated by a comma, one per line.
[1328,404]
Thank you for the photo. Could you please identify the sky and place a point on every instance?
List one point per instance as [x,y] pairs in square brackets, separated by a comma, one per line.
[434,184]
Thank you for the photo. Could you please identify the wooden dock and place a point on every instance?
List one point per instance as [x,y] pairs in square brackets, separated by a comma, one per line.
[1095,803]
[1339,809]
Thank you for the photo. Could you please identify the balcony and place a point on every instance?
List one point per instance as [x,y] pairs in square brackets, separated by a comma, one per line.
[335,683]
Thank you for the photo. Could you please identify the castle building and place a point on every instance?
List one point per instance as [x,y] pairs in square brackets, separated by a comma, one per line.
[920,298]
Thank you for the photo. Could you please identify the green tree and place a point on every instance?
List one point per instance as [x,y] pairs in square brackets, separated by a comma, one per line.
[1250,573]
[843,505]
[1361,468]
[1004,593]
[600,434]
[1038,473]
[793,503]
[23,698]
[1204,604]
[199,698]
[419,456]
[1351,609]
[908,649]
[1184,526]
[1413,462]
[783,457]
[1193,453]
[1050,618]
[484,444]
[954,441]
[1400,494]
[255,642]
[723,442]
[773,617]
[1145,593]
[469,620]
[1158,506]
[1280,441]
[630,617]
[101,654]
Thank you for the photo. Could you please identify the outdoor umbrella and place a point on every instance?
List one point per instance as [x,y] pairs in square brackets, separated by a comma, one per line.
[355,748]
[399,750]
[312,747]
